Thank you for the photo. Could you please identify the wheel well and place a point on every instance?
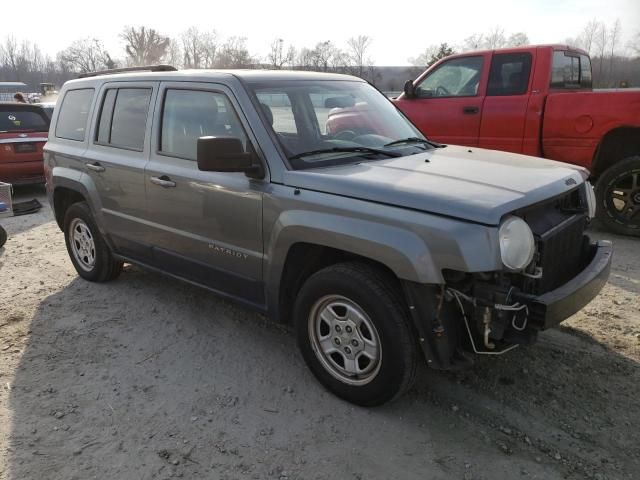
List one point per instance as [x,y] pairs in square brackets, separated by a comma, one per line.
[304,259]
[616,145]
[63,198]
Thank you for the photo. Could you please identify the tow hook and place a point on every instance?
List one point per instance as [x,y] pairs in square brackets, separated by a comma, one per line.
[486,320]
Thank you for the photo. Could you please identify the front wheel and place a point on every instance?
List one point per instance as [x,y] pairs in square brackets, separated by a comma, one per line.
[354,334]
[618,196]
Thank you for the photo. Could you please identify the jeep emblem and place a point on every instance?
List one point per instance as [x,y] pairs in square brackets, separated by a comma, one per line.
[570,181]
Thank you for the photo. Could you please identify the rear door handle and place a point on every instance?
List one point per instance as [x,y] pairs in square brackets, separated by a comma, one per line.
[95,166]
[470,110]
[163,181]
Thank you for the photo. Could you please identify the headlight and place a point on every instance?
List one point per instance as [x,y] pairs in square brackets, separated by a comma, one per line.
[516,243]
[591,199]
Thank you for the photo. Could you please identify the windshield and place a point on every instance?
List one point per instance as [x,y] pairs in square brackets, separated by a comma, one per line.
[21,119]
[320,123]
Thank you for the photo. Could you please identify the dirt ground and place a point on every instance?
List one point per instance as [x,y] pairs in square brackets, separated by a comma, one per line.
[148,378]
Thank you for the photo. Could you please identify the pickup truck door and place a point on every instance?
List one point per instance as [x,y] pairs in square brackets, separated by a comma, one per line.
[505,105]
[447,106]
[206,226]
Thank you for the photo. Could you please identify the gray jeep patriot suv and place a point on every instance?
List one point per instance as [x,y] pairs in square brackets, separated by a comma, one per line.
[378,245]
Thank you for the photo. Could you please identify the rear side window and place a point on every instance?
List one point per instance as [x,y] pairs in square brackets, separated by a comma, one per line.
[570,71]
[31,119]
[509,74]
[190,114]
[74,111]
[123,118]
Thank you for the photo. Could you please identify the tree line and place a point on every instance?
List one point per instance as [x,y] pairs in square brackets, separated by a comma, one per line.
[25,61]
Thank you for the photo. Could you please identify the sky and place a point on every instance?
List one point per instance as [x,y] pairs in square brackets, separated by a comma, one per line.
[398,32]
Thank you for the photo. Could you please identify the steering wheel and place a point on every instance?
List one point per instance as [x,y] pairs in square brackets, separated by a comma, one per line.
[445,92]
[345,135]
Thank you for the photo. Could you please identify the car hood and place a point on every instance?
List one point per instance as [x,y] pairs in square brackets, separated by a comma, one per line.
[461,182]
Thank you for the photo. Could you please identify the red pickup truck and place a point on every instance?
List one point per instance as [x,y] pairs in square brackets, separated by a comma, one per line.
[537,100]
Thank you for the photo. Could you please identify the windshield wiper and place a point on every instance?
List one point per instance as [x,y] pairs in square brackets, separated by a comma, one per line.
[346,150]
[415,140]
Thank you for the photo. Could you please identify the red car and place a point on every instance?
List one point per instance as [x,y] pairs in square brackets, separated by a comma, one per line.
[24,129]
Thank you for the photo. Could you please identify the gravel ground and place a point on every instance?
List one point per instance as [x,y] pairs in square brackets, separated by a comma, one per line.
[147,377]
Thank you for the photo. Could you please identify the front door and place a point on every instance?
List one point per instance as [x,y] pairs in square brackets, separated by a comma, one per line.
[447,106]
[204,226]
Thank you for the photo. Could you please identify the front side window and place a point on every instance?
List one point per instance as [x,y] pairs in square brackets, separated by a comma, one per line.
[509,74]
[570,70]
[331,122]
[190,114]
[459,77]
[74,111]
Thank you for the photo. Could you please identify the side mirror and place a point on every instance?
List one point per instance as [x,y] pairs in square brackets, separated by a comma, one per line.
[409,89]
[226,154]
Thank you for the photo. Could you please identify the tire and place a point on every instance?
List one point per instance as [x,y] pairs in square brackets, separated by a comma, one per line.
[3,236]
[618,197]
[88,251]
[362,298]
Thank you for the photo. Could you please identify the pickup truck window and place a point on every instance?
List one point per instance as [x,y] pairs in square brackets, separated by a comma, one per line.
[74,111]
[458,77]
[332,122]
[509,74]
[570,70]
[190,114]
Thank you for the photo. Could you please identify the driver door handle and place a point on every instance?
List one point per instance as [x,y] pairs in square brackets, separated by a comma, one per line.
[163,181]
[470,110]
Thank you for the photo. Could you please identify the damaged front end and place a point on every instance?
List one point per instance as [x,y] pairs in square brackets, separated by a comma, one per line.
[490,313]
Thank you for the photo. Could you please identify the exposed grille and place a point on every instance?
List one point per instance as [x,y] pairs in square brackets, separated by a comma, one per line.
[562,253]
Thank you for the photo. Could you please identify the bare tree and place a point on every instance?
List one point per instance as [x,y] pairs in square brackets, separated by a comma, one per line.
[358,49]
[144,46]
[473,42]
[234,54]
[634,44]
[9,55]
[614,38]
[173,55]
[86,55]
[518,39]
[495,38]
[588,35]
[601,42]
[199,48]
[278,57]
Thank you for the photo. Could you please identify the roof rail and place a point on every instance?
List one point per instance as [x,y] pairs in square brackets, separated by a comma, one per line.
[147,68]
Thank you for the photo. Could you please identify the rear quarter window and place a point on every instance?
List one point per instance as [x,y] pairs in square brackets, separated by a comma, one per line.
[570,70]
[14,119]
[74,111]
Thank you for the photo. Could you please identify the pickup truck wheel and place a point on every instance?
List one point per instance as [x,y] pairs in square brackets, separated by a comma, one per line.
[618,195]
[355,335]
[87,249]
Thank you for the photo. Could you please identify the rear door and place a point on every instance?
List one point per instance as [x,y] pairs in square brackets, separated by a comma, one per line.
[205,226]
[448,102]
[505,106]
[116,159]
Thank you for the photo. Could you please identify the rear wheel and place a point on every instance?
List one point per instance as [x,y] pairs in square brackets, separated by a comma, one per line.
[87,249]
[618,195]
[354,334]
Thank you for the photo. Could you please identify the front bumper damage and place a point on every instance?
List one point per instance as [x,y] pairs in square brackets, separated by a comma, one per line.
[489,316]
